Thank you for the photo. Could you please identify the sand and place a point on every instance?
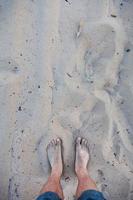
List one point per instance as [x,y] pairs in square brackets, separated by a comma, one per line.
[66,70]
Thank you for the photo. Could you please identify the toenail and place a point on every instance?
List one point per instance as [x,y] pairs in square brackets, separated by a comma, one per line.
[58,140]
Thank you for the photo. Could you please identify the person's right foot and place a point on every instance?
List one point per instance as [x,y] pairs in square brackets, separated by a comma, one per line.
[82,156]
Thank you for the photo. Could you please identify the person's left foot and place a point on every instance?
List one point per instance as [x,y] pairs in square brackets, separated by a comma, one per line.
[54,152]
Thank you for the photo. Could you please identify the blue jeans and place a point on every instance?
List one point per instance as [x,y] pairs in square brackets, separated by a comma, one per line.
[86,195]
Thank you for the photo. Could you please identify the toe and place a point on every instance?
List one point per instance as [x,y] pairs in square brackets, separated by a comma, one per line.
[83,141]
[78,140]
[58,141]
[86,143]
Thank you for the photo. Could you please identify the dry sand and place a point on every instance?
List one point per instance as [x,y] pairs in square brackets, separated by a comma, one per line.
[66,69]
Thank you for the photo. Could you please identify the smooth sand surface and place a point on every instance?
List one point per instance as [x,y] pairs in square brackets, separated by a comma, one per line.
[66,70]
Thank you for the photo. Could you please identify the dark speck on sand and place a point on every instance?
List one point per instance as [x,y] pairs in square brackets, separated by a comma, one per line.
[19,108]
[67,1]
[69,75]
[113,15]
[128,50]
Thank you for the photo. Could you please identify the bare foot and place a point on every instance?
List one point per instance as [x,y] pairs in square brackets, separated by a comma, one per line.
[85,182]
[82,156]
[55,156]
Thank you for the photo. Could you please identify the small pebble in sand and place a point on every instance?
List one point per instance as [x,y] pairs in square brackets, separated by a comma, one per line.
[19,108]
[29,92]
[128,50]
[67,179]
[69,75]
[113,15]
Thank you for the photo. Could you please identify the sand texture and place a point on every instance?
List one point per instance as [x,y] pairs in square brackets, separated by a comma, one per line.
[66,70]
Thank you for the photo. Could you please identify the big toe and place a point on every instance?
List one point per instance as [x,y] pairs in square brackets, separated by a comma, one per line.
[58,141]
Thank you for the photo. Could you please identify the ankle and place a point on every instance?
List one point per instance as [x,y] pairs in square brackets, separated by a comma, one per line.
[82,173]
[56,171]
[56,176]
